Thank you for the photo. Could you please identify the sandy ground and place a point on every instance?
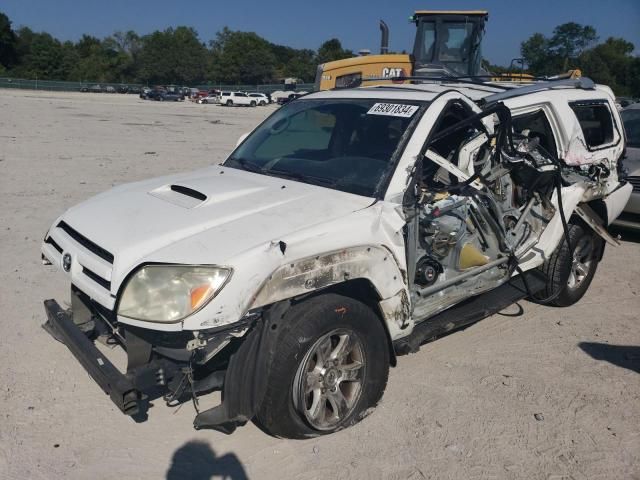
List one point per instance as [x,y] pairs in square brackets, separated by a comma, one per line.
[463,407]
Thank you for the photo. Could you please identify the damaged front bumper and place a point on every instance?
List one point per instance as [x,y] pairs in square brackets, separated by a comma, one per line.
[161,365]
[119,387]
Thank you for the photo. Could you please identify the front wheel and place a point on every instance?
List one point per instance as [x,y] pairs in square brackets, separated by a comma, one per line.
[569,274]
[229,103]
[330,369]
[205,101]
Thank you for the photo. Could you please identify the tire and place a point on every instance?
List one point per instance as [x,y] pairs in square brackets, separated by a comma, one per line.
[569,276]
[313,334]
[253,103]
[160,99]
[204,102]
[229,103]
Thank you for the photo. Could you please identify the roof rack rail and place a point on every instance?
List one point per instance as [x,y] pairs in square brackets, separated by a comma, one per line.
[583,83]
[466,79]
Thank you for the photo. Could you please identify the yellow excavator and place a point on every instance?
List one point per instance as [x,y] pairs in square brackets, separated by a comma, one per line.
[447,45]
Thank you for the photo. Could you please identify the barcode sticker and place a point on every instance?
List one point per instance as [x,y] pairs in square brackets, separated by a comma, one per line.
[393,110]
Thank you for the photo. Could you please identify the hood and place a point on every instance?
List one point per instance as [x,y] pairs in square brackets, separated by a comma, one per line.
[226,211]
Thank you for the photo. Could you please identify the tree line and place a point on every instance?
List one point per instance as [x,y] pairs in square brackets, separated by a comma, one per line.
[178,56]
[172,56]
[572,46]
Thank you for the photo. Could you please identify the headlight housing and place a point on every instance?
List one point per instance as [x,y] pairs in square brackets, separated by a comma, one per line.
[170,293]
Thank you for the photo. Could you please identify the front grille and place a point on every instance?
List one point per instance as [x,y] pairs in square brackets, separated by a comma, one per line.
[54,244]
[97,278]
[635,181]
[86,243]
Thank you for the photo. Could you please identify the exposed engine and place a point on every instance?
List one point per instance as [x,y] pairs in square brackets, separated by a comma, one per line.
[488,215]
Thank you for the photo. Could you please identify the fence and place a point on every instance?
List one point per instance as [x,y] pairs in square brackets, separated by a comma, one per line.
[53,85]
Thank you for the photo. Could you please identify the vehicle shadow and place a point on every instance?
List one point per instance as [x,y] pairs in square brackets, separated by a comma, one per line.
[197,461]
[625,356]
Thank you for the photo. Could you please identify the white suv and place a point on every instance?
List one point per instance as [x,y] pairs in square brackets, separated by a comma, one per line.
[349,227]
[237,98]
[261,98]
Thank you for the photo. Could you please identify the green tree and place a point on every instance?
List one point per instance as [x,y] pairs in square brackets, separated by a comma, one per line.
[611,63]
[548,56]
[291,62]
[332,50]
[173,55]
[39,56]
[8,41]
[569,40]
[241,57]
[535,51]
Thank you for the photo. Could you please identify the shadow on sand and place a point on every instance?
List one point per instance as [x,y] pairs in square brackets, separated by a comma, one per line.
[624,356]
[196,460]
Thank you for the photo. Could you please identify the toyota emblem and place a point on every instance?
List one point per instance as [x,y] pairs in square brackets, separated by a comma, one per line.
[66,262]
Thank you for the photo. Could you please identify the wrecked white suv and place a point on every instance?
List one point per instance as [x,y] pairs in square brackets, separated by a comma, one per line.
[351,226]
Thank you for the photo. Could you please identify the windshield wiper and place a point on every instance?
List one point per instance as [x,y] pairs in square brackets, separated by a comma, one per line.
[247,165]
[300,177]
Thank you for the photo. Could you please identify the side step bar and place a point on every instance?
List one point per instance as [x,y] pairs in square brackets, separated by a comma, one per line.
[470,311]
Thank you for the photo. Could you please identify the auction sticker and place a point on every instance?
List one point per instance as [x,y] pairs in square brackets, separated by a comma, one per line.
[393,110]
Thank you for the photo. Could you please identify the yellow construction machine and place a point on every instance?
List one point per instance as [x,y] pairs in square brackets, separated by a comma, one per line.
[447,45]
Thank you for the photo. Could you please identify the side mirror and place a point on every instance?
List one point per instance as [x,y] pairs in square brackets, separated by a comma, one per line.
[242,138]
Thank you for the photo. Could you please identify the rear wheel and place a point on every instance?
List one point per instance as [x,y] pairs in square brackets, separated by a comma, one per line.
[229,103]
[330,369]
[253,103]
[569,274]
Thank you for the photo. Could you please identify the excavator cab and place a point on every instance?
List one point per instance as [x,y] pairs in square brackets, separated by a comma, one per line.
[447,43]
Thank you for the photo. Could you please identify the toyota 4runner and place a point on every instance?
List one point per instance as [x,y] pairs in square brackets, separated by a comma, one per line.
[350,227]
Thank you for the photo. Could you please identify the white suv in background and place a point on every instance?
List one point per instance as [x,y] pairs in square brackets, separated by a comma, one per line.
[261,98]
[237,98]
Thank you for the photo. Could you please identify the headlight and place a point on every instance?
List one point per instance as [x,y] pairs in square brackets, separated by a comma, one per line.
[169,293]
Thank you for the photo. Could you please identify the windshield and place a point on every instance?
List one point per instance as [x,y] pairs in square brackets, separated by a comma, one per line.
[347,145]
[631,120]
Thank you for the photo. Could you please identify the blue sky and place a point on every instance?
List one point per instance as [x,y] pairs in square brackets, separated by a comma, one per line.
[303,24]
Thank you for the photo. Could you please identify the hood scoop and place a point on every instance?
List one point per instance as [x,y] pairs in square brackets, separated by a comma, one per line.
[180,195]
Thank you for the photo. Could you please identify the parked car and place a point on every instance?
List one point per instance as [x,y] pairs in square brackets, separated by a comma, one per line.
[211,98]
[261,98]
[630,218]
[286,99]
[164,96]
[279,95]
[348,228]
[237,98]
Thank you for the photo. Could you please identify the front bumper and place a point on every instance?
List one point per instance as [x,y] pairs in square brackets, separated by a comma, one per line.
[157,365]
[119,387]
